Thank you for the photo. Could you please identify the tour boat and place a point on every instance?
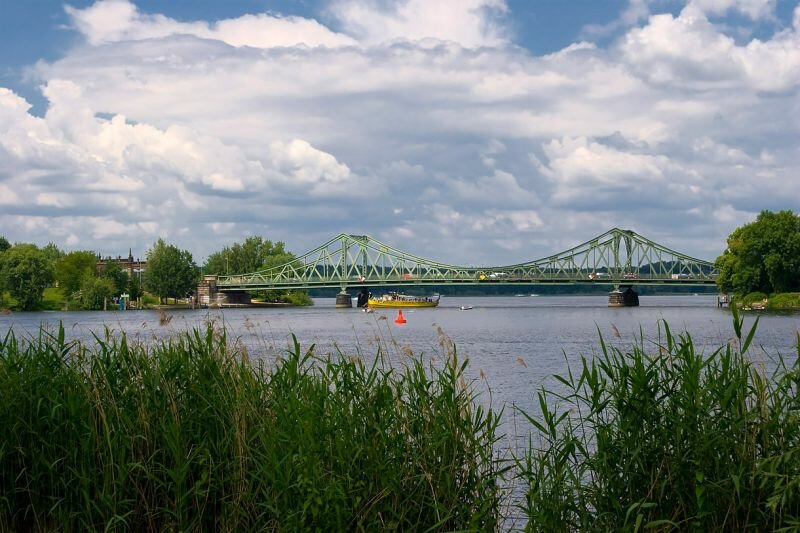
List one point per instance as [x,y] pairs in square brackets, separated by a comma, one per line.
[394,299]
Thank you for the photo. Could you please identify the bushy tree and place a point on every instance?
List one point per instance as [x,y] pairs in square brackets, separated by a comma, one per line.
[763,255]
[96,291]
[113,271]
[255,253]
[25,272]
[134,288]
[52,252]
[170,272]
[4,244]
[72,268]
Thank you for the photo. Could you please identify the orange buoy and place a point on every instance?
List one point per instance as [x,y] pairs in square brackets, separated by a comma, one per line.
[400,318]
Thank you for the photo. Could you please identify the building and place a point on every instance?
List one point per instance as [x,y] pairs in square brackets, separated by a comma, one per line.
[128,264]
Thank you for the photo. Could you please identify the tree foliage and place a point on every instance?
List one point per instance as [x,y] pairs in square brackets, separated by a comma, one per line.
[52,252]
[96,291]
[170,272]
[134,288]
[255,253]
[119,278]
[72,268]
[25,272]
[4,244]
[763,255]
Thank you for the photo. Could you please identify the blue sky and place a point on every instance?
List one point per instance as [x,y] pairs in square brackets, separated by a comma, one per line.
[469,131]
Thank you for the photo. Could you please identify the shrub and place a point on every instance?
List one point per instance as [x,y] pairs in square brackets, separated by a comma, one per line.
[753,297]
[786,300]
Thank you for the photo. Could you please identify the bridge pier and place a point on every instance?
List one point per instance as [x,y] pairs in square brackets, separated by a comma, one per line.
[623,298]
[344,300]
[206,291]
[209,295]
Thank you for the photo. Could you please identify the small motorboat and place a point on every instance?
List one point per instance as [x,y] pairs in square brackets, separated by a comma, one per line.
[465,307]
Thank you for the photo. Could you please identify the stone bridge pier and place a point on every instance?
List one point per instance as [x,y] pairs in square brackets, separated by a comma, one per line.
[209,295]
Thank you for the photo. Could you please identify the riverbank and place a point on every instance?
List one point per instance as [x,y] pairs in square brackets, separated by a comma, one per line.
[787,301]
[197,432]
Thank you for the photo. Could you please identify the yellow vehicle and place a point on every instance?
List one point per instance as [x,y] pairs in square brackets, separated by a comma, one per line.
[394,299]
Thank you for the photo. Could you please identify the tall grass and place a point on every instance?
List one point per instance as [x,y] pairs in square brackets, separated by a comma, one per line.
[190,434]
[663,437]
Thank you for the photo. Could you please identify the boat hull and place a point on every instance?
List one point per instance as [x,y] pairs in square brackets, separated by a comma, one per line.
[398,304]
[396,300]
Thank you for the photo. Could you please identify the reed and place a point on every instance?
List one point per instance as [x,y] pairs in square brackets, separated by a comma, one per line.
[663,437]
[191,434]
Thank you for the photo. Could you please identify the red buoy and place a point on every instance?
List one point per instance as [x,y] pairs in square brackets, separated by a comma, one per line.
[400,319]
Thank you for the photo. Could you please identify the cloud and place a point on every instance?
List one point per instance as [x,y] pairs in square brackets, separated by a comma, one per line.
[754,9]
[124,175]
[634,12]
[688,51]
[471,23]
[109,21]
[436,134]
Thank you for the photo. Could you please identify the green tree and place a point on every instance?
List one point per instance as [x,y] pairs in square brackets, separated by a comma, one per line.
[256,253]
[113,271]
[763,255]
[4,244]
[170,272]
[251,255]
[134,288]
[53,253]
[72,268]
[96,291]
[25,272]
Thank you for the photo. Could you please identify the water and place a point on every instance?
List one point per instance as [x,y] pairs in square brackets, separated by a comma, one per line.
[513,343]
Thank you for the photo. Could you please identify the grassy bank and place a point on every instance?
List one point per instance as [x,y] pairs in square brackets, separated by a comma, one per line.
[52,300]
[192,434]
[785,301]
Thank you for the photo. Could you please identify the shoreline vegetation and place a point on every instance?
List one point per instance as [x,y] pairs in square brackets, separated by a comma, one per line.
[195,433]
[759,301]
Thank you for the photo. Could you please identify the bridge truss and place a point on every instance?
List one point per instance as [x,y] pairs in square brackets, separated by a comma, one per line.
[617,257]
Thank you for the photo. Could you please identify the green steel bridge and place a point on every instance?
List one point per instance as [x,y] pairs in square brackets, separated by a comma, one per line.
[617,257]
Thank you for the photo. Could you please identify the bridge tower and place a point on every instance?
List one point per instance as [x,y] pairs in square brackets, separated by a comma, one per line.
[623,295]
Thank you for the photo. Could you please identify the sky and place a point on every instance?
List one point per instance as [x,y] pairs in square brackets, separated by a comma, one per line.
[472,132]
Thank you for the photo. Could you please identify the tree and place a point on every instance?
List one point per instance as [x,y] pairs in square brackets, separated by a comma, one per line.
[256,253]
[52,252]
[72,268]
[25,272]
[171,272]
[763,255]
[134,287]
[96,291]
[4,244]
[118,277]
[251,255]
